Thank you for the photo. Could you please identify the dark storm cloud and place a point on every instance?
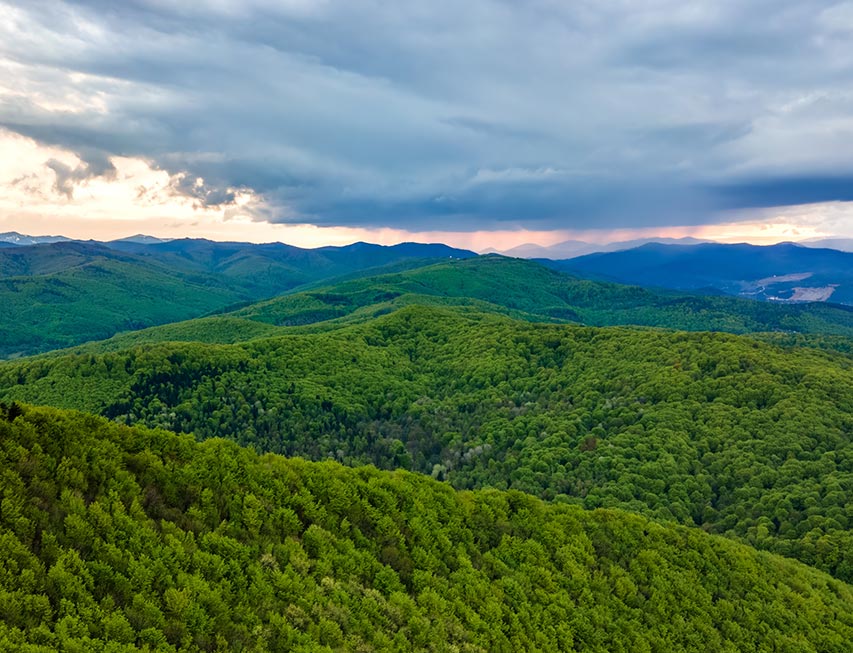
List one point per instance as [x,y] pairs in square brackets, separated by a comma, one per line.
[781,191]
[481,114]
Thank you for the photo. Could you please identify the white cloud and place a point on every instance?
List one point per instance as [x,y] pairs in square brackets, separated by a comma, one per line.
[50,181]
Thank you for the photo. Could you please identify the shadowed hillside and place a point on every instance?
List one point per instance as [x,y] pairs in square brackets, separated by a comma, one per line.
[783,272]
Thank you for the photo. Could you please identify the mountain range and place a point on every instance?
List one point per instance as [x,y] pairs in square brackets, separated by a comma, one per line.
[562,250]
[573,248]
[786,272]
[61,294]
[707,429]
[14,238]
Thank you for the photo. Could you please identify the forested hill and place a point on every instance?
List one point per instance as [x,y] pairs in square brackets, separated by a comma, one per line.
[513,287]
[59,294]
[527,289]
[272,268]
[118,539]
[712,430]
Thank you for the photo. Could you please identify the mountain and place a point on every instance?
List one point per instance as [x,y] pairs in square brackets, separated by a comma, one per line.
[565,249]
[842,244]
[141,239]
[120,539]
[639,242]
[786,272]
[14,238]
[711,430]
[516,288]
[575,248]
[60,294]
[273,268]
[593,488]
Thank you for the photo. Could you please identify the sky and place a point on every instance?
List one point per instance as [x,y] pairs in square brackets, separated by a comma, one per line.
[484,123]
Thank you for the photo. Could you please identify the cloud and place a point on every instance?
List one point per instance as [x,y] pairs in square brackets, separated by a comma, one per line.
[445,115]
[68,177]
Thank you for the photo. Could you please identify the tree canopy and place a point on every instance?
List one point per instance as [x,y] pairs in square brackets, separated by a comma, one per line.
[717,431]
[125,539]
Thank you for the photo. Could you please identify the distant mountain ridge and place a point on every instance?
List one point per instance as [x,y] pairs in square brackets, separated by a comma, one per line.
[574,248]
[141,239]
[841,244]
[786,272]
[14,238]
[272,268]
[497,285]
[64,293]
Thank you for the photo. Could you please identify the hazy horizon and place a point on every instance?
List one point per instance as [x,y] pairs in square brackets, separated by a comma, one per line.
[480,249]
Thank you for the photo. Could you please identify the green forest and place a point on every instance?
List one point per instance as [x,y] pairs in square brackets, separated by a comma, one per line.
[426,327]
[528,290]
[473,455]
[63,294]
[81,296]
[126,539]
[732,435]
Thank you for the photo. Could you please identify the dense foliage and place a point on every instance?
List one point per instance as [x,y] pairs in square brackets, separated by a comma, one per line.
[118,539]
[84,292]
[526,289]
[726,433]
[95,297]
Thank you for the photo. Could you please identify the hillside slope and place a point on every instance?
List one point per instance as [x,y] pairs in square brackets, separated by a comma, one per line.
[120,539]
[723,432]
[492,284]
[269,269]
[524,288]
[59,294]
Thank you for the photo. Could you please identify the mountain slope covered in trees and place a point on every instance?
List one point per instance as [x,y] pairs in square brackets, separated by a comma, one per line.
[712,430]
[119,539]
[520,289]
[516,287]
[268,269]
[59,294]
